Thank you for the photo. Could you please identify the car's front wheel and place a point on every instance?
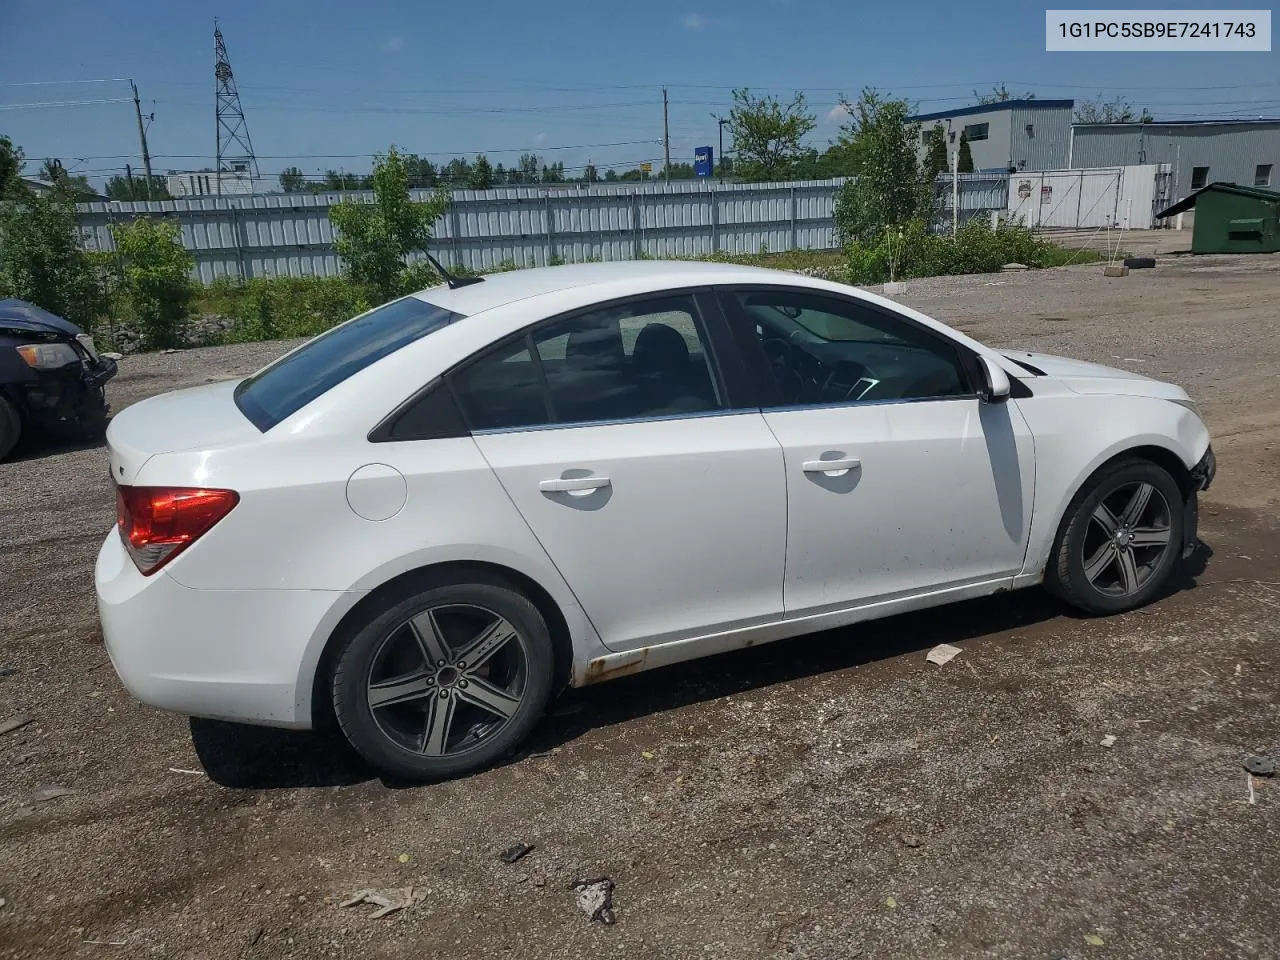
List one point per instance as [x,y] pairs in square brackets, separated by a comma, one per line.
[445,682]
[1120,541]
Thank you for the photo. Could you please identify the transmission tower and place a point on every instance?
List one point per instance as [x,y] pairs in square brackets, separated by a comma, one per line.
[235,149]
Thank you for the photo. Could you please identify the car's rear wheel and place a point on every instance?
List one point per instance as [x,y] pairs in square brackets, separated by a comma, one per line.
[10,427]
[445,682]
[1120,541]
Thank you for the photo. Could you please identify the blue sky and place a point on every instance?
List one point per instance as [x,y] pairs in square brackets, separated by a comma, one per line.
[323,77]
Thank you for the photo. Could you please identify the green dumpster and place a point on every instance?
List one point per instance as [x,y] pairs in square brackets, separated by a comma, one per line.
[1231,219]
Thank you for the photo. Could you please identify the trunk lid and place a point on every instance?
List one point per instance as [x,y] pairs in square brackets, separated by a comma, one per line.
[197,418]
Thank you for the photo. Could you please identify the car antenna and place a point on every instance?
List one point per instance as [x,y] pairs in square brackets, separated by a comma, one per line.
[453,282]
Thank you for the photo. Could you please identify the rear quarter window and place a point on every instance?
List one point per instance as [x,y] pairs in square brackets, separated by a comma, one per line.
[295,380]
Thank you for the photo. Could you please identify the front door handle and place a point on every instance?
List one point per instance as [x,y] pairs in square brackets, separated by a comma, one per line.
[840,466]
[573,484]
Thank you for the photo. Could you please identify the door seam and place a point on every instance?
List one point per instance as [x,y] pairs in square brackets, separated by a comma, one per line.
[786,502]
[538,540]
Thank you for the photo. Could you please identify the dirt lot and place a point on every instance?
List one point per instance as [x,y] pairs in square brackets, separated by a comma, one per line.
[830,797]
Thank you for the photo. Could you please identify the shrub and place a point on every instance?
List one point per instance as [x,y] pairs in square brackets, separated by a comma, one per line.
[41,260]
[976,248]
[283,307]
[156,279]
[374,238]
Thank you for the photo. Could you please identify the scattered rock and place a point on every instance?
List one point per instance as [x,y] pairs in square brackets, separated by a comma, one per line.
[1014,267]
[14,723]
[911,840]
[942,653]
[1260,766]
[515,852]
[387,902]
[42,794]
[595,898]
[1093,940]
[8,671]
[1108,741]
[112,355]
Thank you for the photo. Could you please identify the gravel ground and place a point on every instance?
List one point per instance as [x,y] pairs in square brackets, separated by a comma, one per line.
[829,797]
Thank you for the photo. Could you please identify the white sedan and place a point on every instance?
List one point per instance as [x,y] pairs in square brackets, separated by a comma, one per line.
[431,519]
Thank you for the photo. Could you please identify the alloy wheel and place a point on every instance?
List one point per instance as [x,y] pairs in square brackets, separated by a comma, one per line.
[1128,535]
[447,679]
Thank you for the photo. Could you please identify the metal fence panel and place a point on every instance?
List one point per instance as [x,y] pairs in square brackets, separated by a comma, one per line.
[291,234]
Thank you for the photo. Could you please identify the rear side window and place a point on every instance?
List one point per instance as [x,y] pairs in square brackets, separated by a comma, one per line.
[293,381]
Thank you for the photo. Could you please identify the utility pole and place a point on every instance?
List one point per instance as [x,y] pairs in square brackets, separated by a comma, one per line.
[720,122]
[128,175]
[955,183]
[666,137]
[142,136]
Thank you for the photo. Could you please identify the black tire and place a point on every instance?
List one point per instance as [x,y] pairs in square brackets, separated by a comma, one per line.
[1082,538]
[390,741]
[1140,263]
[10,427]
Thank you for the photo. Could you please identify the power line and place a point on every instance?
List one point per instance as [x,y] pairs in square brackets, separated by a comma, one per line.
[61,103]
[48,83]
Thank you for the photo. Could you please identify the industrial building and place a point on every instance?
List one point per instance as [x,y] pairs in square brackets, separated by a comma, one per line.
[1199,152]
[1022,136]
[1013,135]
[204,183]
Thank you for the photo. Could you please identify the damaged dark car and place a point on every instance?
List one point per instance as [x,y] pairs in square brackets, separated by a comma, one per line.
[52,379]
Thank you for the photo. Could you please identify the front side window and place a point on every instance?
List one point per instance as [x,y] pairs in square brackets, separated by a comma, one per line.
[825,350]
[1199,177]
[317,367]
[1262,175]
[631,361]
[977,131]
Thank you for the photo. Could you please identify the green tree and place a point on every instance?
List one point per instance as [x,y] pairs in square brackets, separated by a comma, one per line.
[156,279]
[124,188]
[590,174]
[456,172]
[374,238]
[889,188]
[999,95]
[481,174]
[500,175]
[767,134]
[422,172]
[292,180]
[1118,110]
[610,175]
[11,160]
[964,156]
[936,161]
[41,259]
[526,171]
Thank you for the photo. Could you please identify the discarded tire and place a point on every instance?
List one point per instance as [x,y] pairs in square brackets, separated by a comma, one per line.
[1139,263]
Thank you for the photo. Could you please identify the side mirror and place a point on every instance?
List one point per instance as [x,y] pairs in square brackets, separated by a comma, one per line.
[995,387]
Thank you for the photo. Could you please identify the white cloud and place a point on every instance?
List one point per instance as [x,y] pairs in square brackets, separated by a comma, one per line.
[839,113]
[394,45]
[540,139]
[695,21]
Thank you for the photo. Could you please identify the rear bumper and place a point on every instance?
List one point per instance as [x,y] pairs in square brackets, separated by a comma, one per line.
[234,655]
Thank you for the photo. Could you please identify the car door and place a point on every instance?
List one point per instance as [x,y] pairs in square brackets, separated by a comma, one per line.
[663,506]
[900,480]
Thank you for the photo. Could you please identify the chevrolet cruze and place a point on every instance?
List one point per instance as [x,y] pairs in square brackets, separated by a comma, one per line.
[431,519]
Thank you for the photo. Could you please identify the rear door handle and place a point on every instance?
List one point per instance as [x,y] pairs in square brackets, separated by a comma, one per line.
[572,484]
[831,466]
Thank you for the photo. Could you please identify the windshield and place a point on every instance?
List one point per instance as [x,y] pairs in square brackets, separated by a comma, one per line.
[295,380]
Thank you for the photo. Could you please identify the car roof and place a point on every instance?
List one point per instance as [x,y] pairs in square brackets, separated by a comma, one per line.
[500,289]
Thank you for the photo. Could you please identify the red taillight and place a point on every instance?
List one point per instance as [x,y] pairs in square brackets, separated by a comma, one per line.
[158,523]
